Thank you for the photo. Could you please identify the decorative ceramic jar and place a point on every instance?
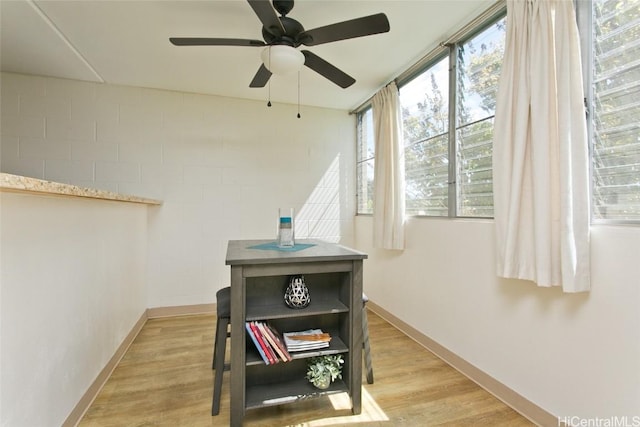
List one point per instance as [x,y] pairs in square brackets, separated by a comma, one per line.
[297,294]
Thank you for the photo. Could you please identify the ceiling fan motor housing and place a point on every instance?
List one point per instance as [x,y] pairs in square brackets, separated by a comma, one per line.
[292,29]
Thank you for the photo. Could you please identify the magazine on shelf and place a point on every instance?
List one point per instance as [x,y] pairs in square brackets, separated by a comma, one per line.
[310,339]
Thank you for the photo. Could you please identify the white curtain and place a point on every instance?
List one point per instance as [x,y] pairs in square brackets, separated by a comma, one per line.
[540,159]
[388,194]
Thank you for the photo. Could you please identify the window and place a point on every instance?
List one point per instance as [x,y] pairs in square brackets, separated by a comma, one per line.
[365,162]
[448,145]
[447,168]
[448,118]
[614,78]
[479,61]
[425,121]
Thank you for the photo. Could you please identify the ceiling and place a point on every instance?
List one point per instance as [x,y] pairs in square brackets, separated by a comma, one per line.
[127,43]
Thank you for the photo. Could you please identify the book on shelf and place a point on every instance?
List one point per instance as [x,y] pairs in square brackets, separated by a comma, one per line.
[267,340]
[256,343]
[274,346]
[266,348]
[311,339]
[279,341]
[271,334]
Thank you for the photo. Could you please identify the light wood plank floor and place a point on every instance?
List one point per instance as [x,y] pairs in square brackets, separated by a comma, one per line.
[165,379]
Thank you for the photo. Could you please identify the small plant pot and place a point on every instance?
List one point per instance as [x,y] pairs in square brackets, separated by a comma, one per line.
[323,370]
[324,382]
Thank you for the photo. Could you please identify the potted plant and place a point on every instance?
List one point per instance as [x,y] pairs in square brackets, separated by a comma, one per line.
[323,370]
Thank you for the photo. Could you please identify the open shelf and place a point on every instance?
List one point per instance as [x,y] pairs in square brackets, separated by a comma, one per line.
[281,311]
[289,391]
[335,346]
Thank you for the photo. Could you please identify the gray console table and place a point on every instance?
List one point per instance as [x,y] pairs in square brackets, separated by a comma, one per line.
[333,274]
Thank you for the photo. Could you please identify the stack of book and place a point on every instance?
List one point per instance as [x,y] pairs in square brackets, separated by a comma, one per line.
[269,342]
[310,339]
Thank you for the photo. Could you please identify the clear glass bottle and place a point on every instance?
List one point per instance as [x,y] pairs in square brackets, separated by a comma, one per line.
[285,228]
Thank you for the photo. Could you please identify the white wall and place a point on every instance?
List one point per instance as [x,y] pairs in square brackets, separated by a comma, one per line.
[77,275]
[72,275]
[222,166]
[571,354]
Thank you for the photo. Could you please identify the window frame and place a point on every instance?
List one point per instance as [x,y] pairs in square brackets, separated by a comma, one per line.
[450,51]
[584,17]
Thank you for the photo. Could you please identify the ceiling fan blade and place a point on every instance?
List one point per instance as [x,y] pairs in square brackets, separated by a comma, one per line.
[261,78]
[327,70]
[267,16]
[359,27]
[203,41]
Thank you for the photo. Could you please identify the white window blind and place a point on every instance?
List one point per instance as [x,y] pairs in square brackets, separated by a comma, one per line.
[616,109]
[425,115]
[479,65]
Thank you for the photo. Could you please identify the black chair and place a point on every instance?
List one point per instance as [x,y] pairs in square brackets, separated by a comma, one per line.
[223,309]
[365,340]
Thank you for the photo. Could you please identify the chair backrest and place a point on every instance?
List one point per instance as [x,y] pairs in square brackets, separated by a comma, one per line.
[223,302]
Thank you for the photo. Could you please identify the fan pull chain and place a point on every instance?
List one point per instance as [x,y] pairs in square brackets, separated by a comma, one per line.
[269,94]
[269,87]
[298,94]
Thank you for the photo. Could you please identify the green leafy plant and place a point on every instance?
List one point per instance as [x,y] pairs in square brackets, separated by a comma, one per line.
[320,367]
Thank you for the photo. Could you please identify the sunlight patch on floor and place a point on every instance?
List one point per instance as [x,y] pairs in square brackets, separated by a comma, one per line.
[370,411]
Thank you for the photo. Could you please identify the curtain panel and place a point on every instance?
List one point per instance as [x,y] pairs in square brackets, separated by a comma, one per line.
[540,158]
[388,195]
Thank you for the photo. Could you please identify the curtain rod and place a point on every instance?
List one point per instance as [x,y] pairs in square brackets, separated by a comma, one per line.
[497,8]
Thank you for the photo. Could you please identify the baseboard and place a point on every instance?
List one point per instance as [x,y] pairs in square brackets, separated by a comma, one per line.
[92,392]
[525,407]
[181,310]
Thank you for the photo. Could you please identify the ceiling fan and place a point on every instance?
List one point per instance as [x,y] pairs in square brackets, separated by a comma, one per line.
[283,35]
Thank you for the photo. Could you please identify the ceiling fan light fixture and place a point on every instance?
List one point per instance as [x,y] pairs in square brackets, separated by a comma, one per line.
[282,59]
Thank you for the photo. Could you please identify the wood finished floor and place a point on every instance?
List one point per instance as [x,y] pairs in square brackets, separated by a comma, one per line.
[165,379]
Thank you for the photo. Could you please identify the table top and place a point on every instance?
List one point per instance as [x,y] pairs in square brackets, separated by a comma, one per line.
[243,252]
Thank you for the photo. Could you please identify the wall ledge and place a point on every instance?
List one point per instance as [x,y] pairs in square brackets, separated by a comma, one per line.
[24,184]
